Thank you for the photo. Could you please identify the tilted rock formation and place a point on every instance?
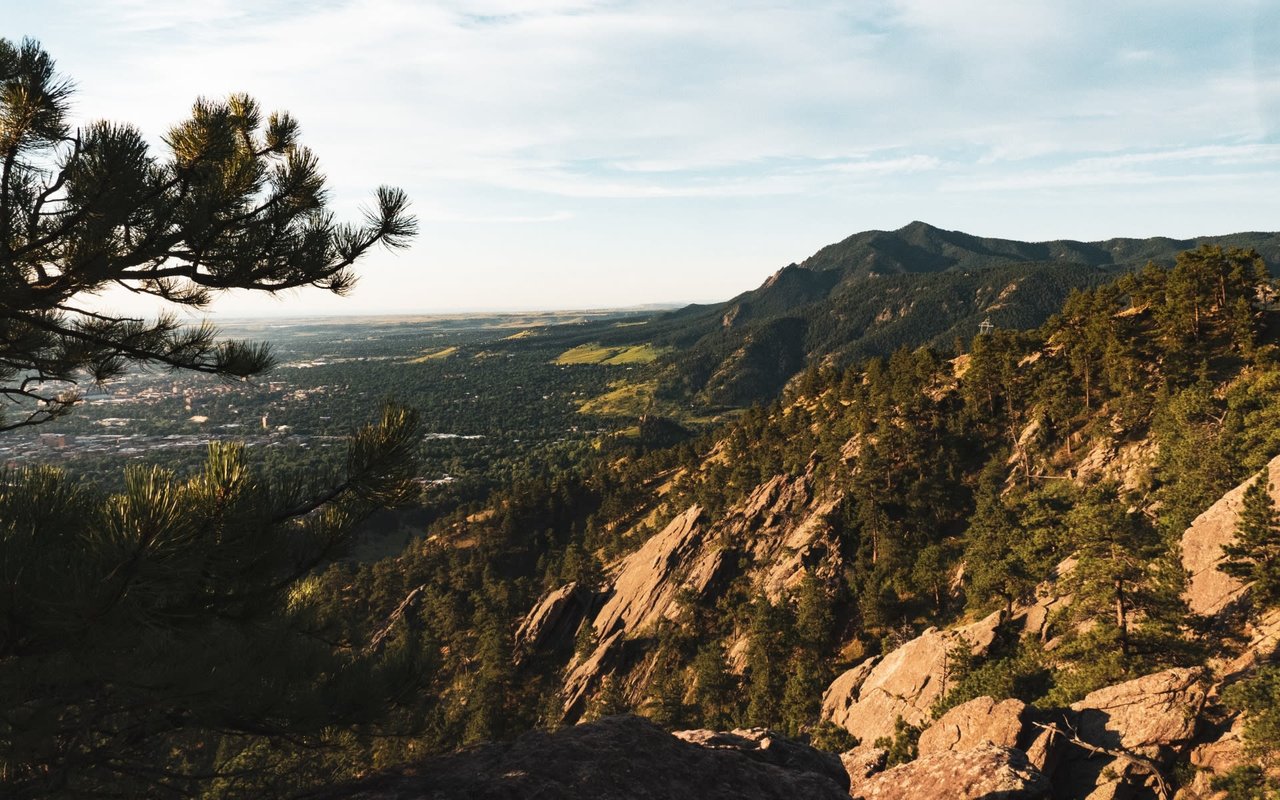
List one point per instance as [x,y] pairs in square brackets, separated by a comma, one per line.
[612,759]
[551,624]
[905,683]
[980,721]
[986,772]
[780,533]
[584,673]
[1209,591]
[645,588]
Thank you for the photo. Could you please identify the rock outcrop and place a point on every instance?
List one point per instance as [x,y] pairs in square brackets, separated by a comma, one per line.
[1148,716]
[778,534]
[552,623]
[769,747]
[867,699]
[986,772]
[980,721]
[1210,592]
[863,763]
[646,585]
[614,758]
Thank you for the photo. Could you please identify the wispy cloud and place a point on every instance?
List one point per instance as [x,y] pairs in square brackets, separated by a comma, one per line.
[600,116]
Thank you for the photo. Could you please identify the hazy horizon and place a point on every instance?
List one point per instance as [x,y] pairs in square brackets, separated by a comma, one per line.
[593,153]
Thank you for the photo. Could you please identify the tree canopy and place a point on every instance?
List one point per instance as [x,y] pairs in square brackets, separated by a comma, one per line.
[150,639]
[234,202]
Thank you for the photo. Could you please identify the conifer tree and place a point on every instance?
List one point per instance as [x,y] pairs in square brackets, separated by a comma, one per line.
[153,639]
[235,203]
[1254,556]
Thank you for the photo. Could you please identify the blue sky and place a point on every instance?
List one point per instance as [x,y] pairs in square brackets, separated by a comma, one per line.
[575,153]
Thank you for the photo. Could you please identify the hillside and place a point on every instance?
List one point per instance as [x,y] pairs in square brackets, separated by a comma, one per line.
[1040,559]
[877,291]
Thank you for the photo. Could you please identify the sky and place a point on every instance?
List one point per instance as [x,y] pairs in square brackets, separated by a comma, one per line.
[604,153]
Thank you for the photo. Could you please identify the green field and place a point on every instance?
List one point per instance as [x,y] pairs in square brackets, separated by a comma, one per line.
[611,356]
[434,355]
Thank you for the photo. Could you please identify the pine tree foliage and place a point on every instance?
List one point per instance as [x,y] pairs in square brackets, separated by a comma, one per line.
[174,613]
[234,202]
[1254,556]
[168,638]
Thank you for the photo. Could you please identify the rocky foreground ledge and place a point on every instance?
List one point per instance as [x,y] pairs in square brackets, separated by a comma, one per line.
[615,758]
[1118,742]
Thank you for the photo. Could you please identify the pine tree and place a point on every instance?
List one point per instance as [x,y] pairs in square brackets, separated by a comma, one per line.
[235,203]
[152,640]
[1127,603]
[1254,556]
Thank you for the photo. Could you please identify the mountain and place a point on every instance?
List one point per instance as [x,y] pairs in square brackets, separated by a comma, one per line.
[875,292]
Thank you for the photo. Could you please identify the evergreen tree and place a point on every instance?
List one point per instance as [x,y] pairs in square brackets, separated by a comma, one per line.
[995,563]
[152,640]
[236,203]
[1127,595]
[1254,556]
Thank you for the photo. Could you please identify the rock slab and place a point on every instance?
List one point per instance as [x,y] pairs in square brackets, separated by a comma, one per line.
[1145,714]
[615,758]
[986,772]
[1209,592]
[867,699]
[980,721]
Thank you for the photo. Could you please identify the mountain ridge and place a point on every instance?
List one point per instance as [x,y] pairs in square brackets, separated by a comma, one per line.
[933,286]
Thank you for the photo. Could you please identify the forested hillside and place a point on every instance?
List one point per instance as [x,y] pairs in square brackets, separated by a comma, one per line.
[1030,489]
[878,291]
[835,525]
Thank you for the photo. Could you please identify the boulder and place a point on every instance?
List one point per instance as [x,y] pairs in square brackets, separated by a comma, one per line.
[1147,716]
[1210,592]
[988,772]
[906,682]
[1033,618]
[769,747]
[978,722]
[612,759]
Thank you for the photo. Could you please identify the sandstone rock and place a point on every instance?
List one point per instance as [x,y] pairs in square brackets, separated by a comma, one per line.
[647,584]
[551,623]
[768,747]
[615,758]
[1209,591]
[1145,714]
[861,763]
[1217,757]
[1034,618]
[583,674]
[1127,463]
[986,772]
[904,683]
[977,722]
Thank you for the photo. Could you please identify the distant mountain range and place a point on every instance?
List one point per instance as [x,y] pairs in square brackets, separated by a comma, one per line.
[877,291]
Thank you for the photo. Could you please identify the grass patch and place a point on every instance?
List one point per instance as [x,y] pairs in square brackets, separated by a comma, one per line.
[623,400]
[612,356]
[524,334]
[434,355]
